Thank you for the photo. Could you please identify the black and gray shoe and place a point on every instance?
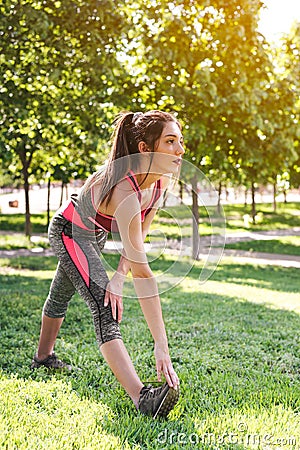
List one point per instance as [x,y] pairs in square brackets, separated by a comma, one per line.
[157,402]
[51,362]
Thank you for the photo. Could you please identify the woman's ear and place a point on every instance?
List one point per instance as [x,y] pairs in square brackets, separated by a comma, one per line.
[143,147]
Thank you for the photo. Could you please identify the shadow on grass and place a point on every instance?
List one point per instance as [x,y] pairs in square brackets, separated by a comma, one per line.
[230,355]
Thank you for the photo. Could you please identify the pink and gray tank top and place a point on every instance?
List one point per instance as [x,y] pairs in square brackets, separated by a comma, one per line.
[82,212]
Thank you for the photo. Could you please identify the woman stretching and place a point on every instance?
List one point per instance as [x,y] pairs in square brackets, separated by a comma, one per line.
[123,196]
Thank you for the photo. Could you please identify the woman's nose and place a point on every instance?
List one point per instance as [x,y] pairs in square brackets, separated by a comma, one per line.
[180,149]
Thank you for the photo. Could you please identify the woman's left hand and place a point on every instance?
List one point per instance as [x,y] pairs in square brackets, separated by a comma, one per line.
[164,365]
[114,296]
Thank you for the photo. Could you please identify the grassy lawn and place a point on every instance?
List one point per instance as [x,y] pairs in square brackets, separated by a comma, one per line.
[286,216]
[287,245]
[234,342]
[16,223]
[176,222]
[16,241]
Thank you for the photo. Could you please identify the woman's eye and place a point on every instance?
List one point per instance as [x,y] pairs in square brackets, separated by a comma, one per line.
[171,141]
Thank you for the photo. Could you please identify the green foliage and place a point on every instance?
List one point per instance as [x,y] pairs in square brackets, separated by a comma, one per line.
[208,62]
[57,63]
[68,67]
[232,343]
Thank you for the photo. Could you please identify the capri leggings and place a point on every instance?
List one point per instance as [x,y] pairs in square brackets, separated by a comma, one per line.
[80,269]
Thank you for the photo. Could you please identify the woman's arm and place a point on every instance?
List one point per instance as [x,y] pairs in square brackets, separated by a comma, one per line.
[114,289]
[128,218]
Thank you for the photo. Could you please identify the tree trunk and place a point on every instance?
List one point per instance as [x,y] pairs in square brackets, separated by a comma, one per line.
[26,160]
[219,197]
[274,197]
[253,212]
[48,202]
[27,206]
[195,211]
[246,194]
[61,193]
[285,195]
[181,191]
[165,199]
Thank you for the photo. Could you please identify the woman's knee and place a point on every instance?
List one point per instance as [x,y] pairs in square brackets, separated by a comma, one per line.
[54,310]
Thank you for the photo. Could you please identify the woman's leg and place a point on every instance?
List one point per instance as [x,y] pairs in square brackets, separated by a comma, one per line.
[116,356]
[55,307]
[81,259]
[83,270]
[49,331]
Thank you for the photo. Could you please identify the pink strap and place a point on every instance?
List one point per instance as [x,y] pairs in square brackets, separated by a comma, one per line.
[72,215]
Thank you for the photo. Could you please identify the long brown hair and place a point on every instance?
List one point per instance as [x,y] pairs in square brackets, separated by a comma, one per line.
[129,129]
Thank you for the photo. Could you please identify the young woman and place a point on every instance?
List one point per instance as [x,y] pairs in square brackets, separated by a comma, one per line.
[123,196]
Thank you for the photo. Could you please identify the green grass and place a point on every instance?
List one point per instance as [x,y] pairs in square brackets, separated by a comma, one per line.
[234,341]
[16,241]
[287,245]
[286,216]
[16,222]
[176,221]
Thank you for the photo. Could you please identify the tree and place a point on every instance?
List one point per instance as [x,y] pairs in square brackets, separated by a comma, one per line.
[206,60]
[59,63]
[287,61]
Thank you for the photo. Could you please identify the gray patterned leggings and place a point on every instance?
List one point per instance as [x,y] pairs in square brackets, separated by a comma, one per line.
[80,269]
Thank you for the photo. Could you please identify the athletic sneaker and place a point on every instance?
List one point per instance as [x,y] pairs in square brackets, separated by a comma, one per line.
[157,402]
[51,362]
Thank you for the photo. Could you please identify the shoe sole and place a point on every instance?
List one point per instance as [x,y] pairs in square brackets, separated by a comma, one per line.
[168,403]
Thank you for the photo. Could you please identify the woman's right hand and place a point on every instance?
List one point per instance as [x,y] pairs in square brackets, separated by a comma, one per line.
[114,296]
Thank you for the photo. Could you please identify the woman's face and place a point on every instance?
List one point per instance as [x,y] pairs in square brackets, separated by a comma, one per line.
[168,153]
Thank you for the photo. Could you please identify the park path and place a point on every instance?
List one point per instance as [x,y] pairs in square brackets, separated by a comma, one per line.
[260,257]
[237,255]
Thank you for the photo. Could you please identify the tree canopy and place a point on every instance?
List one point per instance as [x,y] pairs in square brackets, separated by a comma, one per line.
[68,67]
